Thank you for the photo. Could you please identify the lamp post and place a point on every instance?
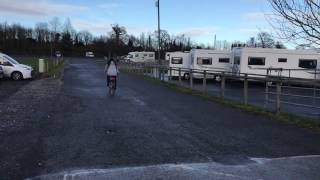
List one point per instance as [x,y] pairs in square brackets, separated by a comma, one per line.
[159,33]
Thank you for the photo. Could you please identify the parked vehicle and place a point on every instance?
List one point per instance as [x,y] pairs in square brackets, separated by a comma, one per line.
[277,62]
[90,54]
[180,60]
[13,69]
[1,72]
[58,54]
[210,60]
[141,57]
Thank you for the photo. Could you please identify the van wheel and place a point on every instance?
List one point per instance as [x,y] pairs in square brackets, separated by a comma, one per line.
[186,76]
[16,76]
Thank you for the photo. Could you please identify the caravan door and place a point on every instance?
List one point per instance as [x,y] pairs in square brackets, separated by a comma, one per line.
[236,66]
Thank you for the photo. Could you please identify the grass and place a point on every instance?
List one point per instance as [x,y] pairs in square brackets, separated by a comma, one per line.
[32,61]
[28,60]
[287,118]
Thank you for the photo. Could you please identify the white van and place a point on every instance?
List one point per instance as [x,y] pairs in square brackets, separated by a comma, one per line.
[179,60]
[13,69]
[141,57]
[90,54]
[277,62]
[210,60]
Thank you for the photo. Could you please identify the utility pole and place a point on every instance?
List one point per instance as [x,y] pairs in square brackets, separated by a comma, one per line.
[215,41]
[159,33]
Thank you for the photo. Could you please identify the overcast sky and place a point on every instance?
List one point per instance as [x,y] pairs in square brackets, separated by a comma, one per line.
[200,19]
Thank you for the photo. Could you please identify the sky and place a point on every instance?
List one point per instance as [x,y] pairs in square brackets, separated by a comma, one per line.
[199,19]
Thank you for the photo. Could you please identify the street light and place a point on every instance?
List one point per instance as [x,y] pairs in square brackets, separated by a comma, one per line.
[159,39]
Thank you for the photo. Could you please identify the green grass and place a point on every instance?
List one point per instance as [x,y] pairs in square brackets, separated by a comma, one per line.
[33,61]
[287,118]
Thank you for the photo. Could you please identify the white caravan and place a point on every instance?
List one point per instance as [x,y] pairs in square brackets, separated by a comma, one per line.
[13,69]
[179,60]
[141,57]
[210,60]
[302,63]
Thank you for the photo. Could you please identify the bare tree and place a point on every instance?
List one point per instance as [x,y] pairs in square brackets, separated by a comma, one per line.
[118,33]
[265,40]
[164,39]
[86,37]
[297,20]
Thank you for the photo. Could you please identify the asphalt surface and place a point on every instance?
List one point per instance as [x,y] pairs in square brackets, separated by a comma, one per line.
[76,125]
[9,87]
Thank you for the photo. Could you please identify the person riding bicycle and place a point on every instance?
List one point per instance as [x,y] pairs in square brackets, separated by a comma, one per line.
[111,70]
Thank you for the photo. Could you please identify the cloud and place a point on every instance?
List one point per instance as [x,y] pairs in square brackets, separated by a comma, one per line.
[198,31]
[109,6]
[37,7]
[256,16]
[102,27]
[97,27]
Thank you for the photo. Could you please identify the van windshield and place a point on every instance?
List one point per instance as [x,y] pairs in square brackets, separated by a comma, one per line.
[10,60]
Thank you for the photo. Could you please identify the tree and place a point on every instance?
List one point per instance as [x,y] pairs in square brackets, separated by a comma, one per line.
[54,28]
[265,40]
[164,39]
[297,20]
[118,32]
[86,37]
[280,45]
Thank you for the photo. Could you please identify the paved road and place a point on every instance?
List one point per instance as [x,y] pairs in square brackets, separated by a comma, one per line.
[144,124]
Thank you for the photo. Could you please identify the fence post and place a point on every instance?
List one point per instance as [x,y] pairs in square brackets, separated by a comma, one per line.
[205,81]
[245,89]
[47,65]
[180,76]
[170,74]
[223,84]
[278,97]
[191,78]
[266,95]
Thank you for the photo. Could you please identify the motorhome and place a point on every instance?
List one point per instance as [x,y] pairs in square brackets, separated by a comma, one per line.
[276,62]
[210,60]
[178,60]
[141,57]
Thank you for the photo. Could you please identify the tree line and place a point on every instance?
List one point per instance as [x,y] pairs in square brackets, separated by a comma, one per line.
[45,38]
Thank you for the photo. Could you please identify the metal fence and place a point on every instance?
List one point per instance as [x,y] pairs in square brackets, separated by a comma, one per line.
[276,93]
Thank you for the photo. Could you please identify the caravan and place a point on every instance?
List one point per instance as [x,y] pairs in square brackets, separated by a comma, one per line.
[276,62]
[178,60]
[141,57]
[210,60]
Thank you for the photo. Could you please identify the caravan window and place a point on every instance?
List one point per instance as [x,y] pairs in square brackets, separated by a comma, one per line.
[282,60]
[308,63]
[150,55]
[257,61]
[237,60]
[224,60]
[204,61]
[176,60]
[145,55]
[137,55]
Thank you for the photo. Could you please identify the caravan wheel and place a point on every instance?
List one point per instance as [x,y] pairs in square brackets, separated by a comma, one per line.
[186,76]
[217,78]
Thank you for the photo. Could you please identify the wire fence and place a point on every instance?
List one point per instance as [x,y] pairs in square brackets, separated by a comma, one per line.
[276,93]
